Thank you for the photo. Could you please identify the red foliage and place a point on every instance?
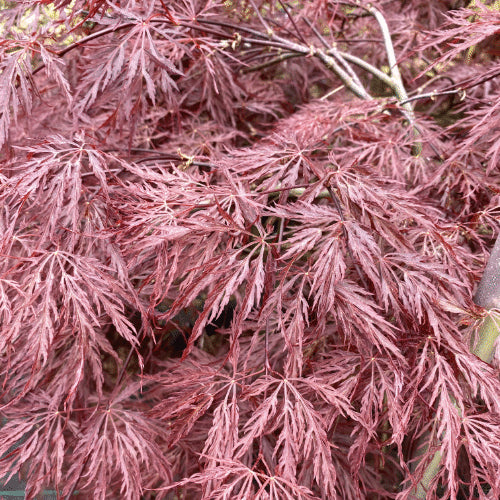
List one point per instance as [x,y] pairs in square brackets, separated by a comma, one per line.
[238,252]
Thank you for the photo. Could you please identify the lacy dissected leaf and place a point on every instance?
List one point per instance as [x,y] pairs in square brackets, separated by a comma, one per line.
[114,449]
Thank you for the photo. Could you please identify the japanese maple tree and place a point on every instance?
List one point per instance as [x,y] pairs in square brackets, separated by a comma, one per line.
[239,247]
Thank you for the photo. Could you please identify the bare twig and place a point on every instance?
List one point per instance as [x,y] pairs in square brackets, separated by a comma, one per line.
[299,34]
[318,34]
[367,67]
[330,62]
[398,88]
[271,62]
[432,95]
[261,19]
[338,58]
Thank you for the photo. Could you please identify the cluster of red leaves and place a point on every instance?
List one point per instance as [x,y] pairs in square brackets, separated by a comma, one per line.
[221,276]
